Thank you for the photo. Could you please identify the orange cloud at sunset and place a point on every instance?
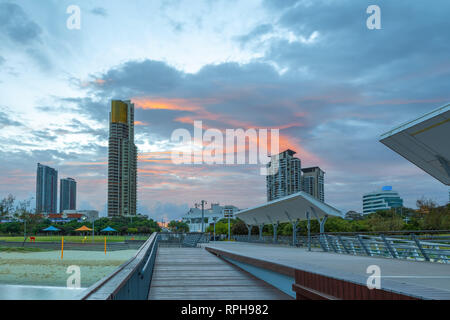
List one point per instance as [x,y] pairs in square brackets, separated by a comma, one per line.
[166,104]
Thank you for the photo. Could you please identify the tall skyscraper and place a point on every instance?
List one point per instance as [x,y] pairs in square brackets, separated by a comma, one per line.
[46,189]
[313,182]
[284,176]
[122,160]
[67,194]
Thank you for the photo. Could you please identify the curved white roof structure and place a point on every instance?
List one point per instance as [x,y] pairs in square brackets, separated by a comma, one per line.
[287,209]
[425,142]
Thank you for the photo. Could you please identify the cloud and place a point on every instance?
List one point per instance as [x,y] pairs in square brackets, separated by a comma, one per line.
[99,11]
[6,120]
[16,25]
[164,211]
[327,82]
[256,33]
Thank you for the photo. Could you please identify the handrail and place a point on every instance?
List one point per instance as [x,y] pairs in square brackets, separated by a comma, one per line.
[409,247]
[114,284]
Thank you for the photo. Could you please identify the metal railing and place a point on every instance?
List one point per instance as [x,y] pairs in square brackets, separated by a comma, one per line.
[131,281]
[189,239]
[413,246]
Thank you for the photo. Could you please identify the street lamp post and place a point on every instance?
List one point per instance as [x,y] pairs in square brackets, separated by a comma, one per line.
[229,233]
[25,219]
[214,219]
[202,203]
[93,226]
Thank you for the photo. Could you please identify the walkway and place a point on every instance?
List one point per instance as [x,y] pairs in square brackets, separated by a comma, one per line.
[420,279]
[195,274]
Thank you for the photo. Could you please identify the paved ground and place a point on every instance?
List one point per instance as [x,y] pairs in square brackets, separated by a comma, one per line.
[395,274]
[47,268]
[195,274]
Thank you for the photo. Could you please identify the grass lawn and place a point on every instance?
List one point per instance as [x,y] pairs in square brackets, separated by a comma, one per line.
[87,238]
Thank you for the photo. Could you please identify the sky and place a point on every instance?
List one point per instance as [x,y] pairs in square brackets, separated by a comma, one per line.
[311,69]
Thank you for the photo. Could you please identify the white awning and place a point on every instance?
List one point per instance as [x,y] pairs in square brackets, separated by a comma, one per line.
[287,209]
[425,142]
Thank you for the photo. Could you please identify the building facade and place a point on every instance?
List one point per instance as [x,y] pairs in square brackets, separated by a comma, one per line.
[46,189]
[384,199]
[284,175]
[67,194]
[122,160]
[217,212]
[313,182]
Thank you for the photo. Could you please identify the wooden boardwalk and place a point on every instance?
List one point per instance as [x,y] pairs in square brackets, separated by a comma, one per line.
[195,274]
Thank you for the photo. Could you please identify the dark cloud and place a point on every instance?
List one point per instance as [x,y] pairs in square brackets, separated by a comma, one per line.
[347,50]
[144,77]
[99,11]
[276,4]
[16,25]
[6,121]
[255,34]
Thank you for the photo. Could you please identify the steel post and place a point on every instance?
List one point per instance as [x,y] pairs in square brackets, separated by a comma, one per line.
[294,232]
[309,230]
[249,227]
[275,227]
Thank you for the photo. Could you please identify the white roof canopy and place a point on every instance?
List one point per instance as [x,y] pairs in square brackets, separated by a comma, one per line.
[287,209]
[425,142]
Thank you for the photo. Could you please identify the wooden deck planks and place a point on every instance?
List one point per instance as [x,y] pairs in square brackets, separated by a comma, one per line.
[195,274]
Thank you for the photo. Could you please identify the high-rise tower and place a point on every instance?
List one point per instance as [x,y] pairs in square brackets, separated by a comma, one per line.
[46,189]
[313,182]
[284,176]
[122,160]
[67,194]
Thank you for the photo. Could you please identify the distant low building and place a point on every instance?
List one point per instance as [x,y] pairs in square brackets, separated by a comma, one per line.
[194,216]
[71,215]
[79,214]
[353,215]
[384,199]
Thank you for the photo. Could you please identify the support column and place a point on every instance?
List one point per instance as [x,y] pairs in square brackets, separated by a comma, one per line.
[322,236]
[249,227]
[261,226]
[275,227]
[309,230]
[294,232]
[322,224]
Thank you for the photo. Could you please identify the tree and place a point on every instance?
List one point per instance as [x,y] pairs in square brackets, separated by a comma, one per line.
[7,205]
[132,230]
[425,205]
[386,220]
[238,228]
[178,226]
